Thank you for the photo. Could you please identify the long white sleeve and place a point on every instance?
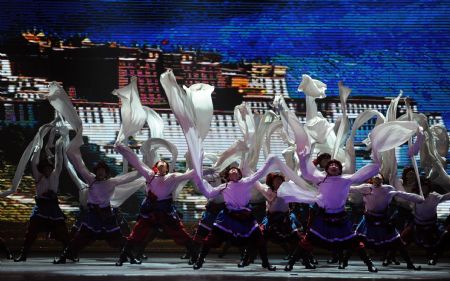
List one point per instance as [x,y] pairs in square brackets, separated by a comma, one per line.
[261,172]
[134,161]
[125,178]
[361,189]
[412,197]
[59,157]
[365,173]
[177,178]
[74,155]
[34,164]
[309,172]
[207,190]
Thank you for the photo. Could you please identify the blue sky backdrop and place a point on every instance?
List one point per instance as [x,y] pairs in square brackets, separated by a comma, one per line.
[375,47]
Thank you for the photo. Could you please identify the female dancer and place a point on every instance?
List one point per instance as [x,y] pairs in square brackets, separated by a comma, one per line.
[235,222]
[331,227]
[157,211]
[47,215]
[279,225]
[100,222]
[212,209]
[424,229]
[375,228]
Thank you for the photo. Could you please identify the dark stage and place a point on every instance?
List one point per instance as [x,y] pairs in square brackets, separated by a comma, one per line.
[170,267]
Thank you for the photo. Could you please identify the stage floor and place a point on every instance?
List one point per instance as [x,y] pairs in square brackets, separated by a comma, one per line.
[171,267]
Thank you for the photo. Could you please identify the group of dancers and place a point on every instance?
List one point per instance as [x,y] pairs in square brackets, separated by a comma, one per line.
[322,184]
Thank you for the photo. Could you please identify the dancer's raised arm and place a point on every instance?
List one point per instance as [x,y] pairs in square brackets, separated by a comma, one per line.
[365,173]
[175,179]
[207,189]
[309,171]
[59,158]
[261,172]
[74,155]
[361,189]
[119,180]
[34,164]
[412,197]
[134,161]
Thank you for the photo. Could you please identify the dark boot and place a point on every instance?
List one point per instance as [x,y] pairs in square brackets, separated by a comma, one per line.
[74,258]
[22,256]
[370,266]
[140,249]
[30,236]
[393,258]
[265,260]
[395,261]
[307,263]
[122,258]
[245,258]
[386,262]
[268,266]
[433,259]
[407,258]
[389,258]
[201,258]
[296,256]
[293,259]
[343,260]
[127,254]
[192,250]
[61,260]
[290,265]
[9,255]
[66,254]
[413,267]
[334,258]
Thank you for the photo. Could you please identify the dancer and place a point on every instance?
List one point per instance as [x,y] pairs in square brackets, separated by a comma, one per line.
[213,208]
[46,215]
[321,162]
[331,227]
[157,211]
[100,222]
[402,211]
[279,225]
[235,222]
[375,228]
[423,230]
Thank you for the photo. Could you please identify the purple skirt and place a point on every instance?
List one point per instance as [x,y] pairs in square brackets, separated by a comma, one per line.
[48,208]
[280,226]
[377,231]
[210,214]
[239,224]
[100,220]
[331,229]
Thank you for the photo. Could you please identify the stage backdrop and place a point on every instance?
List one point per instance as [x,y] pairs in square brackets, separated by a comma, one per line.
[249,50]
